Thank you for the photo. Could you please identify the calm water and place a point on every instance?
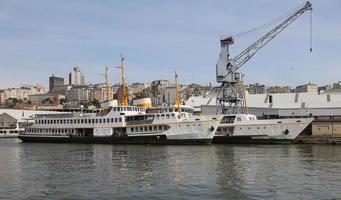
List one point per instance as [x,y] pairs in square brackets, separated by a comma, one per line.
[77,171]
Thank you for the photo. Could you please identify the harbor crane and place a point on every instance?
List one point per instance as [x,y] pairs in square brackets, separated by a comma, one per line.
[230,96]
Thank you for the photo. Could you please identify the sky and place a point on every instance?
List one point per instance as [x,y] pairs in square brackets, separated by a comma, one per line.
[41,37]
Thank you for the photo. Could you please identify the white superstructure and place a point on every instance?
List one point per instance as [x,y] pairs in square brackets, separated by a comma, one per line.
[123,124]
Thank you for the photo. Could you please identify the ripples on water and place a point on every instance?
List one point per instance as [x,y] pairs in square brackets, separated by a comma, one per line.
[85,171]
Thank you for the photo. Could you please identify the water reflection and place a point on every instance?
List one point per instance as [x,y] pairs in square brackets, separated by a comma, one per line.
[83,171]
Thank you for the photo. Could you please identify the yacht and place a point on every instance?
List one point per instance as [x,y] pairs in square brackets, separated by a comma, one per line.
[246,128]
[123,125]
[11,132]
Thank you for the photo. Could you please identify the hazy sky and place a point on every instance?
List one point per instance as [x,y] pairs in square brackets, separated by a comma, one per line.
[41,37]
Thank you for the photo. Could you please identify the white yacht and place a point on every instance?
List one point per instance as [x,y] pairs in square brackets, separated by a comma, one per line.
[10,132]
[246,128]
[123,124]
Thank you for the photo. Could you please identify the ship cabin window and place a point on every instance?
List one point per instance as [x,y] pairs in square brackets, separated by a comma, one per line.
[100,121]
[173,115]
[119,119]
[64,121]
[116,120]
[160,128]
[145,129]
[228,119]
[141,129]
[150,128]
[155,128]
[112,120]
[96,121]
[132,129]
[82,121]
[54,121]
[136,129]
[167,116]
[239,119]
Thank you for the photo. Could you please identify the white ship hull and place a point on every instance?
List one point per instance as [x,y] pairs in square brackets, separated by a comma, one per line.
[261,131]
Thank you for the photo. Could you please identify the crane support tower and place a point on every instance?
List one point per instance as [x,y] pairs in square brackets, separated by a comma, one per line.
[230,97]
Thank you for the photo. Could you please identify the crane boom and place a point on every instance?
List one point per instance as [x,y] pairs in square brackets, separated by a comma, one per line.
[230,97]
[232,65]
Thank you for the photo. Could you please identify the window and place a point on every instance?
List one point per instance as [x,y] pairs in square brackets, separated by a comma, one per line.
[96,121]
[270,98]
[239,119]
[132,129]
[150,128]
[141,129]
[119,119]
[112,120]
[82,121]
[78,121]
[167,116]
[155,128]
[100,121]
[93,121]
[145,129]
[160,128]
[116,120]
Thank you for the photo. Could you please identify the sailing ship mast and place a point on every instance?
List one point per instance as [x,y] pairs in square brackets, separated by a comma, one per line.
[177,100]
[124,96]
[107,86]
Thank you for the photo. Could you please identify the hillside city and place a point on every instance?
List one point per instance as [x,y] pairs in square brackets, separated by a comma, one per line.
[76,93]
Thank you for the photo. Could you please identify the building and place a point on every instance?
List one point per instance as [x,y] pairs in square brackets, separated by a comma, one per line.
[310,88]
[80,94]
[257,88]
[7,121]
[279,89]
[76,77]
[45,98]
[22,93]
[170,96]
[158,91]
[56,84]
[337,85]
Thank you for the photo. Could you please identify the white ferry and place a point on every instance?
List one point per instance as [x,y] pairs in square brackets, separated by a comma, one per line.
[123,124]
[246,128]
[11,132]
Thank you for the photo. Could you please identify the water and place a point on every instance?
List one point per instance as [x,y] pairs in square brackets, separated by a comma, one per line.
[85,171]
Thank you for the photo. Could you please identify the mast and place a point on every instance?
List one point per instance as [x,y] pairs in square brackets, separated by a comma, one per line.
[107,87]
[124,96]
[177,100]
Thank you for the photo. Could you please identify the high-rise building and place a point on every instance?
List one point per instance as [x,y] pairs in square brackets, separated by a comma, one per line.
[55,82]
[76,77]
